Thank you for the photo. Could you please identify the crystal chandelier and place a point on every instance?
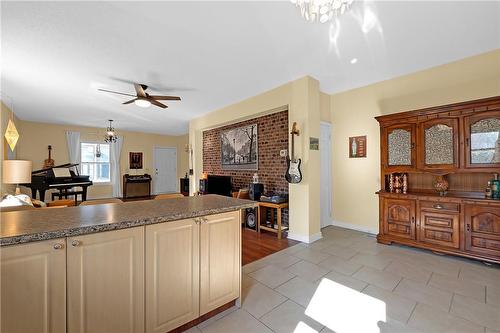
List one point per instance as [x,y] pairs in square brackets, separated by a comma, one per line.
[110,135]
[322,10]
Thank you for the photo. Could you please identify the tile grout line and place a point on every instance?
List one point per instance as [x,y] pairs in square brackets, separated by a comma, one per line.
[429,279]
[411,313]
[401,279]
[451,302]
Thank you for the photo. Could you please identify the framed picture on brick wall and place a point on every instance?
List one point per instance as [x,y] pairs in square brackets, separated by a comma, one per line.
[239,148]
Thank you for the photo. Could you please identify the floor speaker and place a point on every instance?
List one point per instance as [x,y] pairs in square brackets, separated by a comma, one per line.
[251,218]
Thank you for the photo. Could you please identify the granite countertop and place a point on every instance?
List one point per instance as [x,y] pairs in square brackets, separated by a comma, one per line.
[43,224]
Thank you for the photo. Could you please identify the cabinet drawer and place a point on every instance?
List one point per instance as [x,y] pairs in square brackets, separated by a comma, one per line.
[440,206]
[439,228]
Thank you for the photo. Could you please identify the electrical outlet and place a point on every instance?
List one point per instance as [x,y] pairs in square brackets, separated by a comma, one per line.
[283,153]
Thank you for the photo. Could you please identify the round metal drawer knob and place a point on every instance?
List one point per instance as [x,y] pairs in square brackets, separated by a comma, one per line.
[58,246]
[75,243]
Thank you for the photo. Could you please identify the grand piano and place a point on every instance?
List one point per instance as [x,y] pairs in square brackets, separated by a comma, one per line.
[47,179]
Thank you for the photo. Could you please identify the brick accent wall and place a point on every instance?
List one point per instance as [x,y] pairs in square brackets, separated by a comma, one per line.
[272,137]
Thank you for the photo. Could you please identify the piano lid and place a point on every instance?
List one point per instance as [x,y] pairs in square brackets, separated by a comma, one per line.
[67,165]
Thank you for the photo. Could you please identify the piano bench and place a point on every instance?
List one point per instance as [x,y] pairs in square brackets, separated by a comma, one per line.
[66,194]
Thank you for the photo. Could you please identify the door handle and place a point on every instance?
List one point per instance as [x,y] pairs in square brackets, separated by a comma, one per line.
[75,243]
[468,226]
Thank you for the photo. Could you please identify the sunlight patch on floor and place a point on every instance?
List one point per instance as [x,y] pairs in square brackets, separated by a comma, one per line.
[343,309]
[304,328]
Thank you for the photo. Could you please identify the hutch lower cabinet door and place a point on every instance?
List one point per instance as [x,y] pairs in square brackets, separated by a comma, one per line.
[33,279]
[399,218]
[220,260]
[106,281]
[482,229]
[172,274]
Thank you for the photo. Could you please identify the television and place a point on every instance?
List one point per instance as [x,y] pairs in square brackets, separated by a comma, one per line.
[221,185]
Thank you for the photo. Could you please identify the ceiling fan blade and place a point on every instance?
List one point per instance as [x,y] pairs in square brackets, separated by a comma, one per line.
[170,98]
[131,101]
[138,89]
[161,105]
[116,92]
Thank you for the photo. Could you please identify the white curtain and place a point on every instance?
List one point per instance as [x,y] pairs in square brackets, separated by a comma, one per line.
[73,141]
[116,149]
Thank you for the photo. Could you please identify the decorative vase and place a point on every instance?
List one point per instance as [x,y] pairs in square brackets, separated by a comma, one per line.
[441,184]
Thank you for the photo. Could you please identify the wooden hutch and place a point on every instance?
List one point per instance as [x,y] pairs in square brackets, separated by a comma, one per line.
[461,141]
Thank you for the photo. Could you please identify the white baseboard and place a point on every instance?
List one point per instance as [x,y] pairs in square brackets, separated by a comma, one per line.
[356,227]
[305,239]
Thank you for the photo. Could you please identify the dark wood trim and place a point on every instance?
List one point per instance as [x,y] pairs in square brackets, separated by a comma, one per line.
[201,319]
[456,109]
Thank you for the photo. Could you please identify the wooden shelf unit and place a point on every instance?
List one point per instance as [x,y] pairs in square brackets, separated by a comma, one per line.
[438,141]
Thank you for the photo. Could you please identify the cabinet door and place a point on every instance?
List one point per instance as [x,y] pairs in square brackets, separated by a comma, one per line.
[442,229]
[33,287]
[106,281]
[482,140]
[399,147]
[220,260]
[482,229]
[439,144]
[399,218]
[172,274]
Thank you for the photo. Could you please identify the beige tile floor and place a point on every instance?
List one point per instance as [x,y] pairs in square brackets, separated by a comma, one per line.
[347,282]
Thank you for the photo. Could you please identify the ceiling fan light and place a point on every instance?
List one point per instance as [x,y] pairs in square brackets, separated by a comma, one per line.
[143,103]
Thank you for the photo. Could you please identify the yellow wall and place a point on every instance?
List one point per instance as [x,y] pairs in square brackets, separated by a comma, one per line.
[37,136]
[355,181]
[5,115]
[302,98]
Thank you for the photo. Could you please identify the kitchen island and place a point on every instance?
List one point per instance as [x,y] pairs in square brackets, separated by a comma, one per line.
[130,267]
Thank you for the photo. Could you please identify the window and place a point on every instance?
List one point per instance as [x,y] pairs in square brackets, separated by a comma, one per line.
[95,161]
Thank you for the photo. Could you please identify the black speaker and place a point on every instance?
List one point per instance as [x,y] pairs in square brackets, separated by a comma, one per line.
[255,190]
[251,218]
[203,185]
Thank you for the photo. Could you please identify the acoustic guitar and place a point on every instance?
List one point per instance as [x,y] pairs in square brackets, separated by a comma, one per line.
[49,162]
[293,174]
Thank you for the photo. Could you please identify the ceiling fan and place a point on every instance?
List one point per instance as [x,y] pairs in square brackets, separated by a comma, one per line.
[143,99]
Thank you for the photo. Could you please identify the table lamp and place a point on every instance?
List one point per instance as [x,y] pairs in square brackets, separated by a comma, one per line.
[16,172]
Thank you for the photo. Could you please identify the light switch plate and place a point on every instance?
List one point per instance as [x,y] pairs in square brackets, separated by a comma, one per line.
[283,152]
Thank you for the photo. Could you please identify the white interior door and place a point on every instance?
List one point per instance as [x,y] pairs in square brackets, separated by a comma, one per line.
[165,170]
[325,146]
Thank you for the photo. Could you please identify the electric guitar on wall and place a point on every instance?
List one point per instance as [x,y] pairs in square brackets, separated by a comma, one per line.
[293,174]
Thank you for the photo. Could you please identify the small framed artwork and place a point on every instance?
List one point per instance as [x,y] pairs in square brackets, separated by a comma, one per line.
[313,143]
[357,146]
[135,160]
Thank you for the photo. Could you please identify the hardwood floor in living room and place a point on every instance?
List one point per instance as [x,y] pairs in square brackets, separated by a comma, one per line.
[258,245]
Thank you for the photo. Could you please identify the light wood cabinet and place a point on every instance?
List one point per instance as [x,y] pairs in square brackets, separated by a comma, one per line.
[399,218]
[220,260]
[172,274]
[33,287]
[106,281]
[103,282]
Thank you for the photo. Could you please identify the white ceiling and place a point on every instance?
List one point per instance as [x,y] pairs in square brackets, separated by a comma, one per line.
[56,54]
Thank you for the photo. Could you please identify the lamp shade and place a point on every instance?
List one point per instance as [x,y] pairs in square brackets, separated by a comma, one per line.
[16,171]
